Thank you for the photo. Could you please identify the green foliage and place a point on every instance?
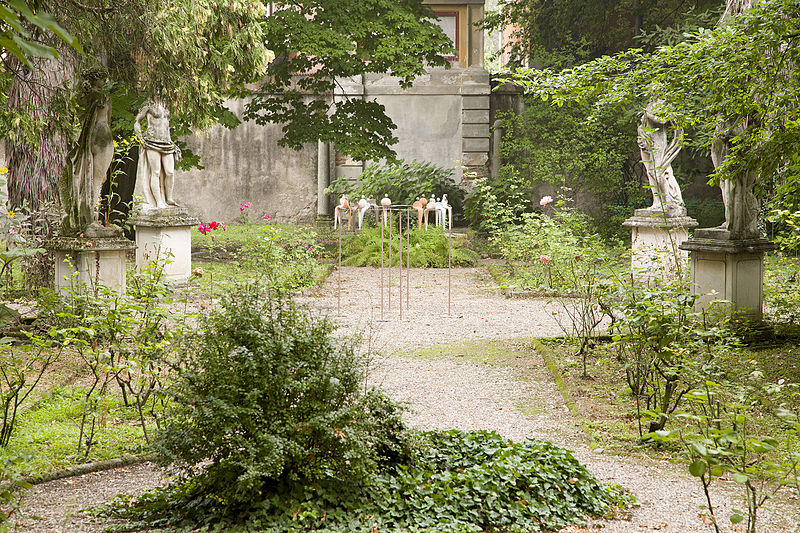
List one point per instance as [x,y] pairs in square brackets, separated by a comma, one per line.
[332,39]
[480,481]
[662,343]
[720,441]
[499,201]
[543,251]
[285,260]
[428,249]
[782,293]
[700,81]
[17,17]
[453,482]
[402,182]
[574,146]
[119,340]
[21,370]
[562,34]
[571,146]
[10,483]
[265,396]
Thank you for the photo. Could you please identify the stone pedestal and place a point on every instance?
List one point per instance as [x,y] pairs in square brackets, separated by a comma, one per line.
[728,269]
[97,258]
[164,236]
[655,242]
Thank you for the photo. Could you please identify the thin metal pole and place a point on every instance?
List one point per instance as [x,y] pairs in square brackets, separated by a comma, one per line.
[339,290]
[408,257]
[400,219]
[381,271]
[389,286]
[449,268]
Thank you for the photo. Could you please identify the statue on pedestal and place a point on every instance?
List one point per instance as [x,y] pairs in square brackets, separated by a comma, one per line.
[658,152]
[157,156]
[741,205]
[89,159]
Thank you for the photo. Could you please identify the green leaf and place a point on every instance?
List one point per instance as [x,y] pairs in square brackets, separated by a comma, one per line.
[697,468]
[740,478]
[736,518]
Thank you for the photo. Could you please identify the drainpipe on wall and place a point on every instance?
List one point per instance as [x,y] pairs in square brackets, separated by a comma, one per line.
[494,156]
[364,98]
[323,180]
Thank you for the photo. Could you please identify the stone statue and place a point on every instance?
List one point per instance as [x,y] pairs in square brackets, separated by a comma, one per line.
[741,205]
[90,158]
[658,152]
[157,156]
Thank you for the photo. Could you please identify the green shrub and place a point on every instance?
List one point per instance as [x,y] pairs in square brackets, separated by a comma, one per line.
[428,249]
[782,293]
[11,485]
[402,183]
[498,202]
[453,482]
[285,260]
[266,397]
[543,251]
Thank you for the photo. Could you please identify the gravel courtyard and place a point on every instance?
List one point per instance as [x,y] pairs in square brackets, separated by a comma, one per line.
[446,392]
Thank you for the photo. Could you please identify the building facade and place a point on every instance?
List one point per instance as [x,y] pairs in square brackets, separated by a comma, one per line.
[443,118]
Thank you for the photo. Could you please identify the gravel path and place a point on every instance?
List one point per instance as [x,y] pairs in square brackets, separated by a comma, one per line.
[448,392]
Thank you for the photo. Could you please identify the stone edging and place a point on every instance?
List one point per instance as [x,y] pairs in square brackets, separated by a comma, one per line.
[550,362]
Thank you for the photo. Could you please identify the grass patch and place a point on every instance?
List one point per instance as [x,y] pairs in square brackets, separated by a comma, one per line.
[47,435]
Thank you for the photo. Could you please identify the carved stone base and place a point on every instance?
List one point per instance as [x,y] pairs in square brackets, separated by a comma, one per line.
[729,270]
[85,263]
[655,243]
[164,237]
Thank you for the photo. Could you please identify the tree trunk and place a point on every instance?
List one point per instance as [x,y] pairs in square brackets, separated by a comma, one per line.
[35,166]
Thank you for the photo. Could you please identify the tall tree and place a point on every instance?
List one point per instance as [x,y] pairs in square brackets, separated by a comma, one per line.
[193,54]
[747,67]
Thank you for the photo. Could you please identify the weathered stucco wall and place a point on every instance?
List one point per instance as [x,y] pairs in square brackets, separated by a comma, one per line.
[247,165]
[442,118]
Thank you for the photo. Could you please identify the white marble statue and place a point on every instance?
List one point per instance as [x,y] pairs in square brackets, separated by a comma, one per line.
[658,151]
[741,205]
[157,156]
[344,205]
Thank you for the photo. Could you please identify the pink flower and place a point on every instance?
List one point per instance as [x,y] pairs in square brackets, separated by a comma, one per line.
[545,200]
[266,217]
[244,205]
[203,228]
[544,258]
[213,224]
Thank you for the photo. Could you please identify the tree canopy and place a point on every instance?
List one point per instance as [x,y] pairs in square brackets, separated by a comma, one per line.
[15,38]
[746,67]
[562,33]
[194,54]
